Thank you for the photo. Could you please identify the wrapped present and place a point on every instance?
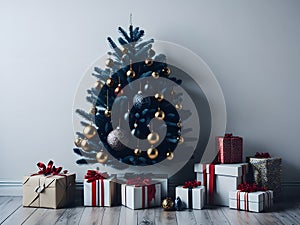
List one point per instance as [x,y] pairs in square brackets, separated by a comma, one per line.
[220,179]
[140,193]
[99,189]
[49,188]
[250,198]
[266,171]
[192,195]
[230,149]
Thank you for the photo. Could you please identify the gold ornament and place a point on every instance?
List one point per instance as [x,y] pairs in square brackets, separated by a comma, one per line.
[93,110]
[160,115]
[77,142]
[130,73]
[107,113]
[166,71]
[179,124]
[124,50]
[159,97]
[180,140]
[85,145]
[98,85]
[151,53]
[167,204]
[118,90]
[109,62]
[101,157]
[137,151]
[149,62]
[89,131]
[169,155]
[152,153]
[155,75]
[110,82]
[153,138]
[178,106]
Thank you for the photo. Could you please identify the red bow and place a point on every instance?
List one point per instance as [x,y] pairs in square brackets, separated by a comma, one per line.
[191,184]
[50,169]
[262,155]
[138,181]
[245,187]
[93,175]
[228,135]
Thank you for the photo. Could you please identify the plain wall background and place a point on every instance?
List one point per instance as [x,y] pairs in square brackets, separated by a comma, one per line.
[45,46]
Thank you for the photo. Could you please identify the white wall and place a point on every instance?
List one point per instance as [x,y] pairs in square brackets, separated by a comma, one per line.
[45,46]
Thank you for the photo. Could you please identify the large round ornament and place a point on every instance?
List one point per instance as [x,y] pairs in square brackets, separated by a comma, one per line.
[98,85]
[159,97]
[89,131]
[109,62]
[155,75]
[152,153]
[130,73]
[77,142]
[101,157]
[110,82]
[153,138]
[107,113]
[85,145]
[149,62]
[139,101]
[167,204]
[166,71]
[115,137]
[159,114]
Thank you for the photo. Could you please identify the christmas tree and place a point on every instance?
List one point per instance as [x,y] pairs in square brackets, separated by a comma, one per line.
[134,108]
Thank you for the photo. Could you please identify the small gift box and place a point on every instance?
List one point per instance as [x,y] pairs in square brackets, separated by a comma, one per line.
[191,194]
[99,189]
[49,188]
[266,172]
[220,179]
[230,149]
[140,193]
[251,199]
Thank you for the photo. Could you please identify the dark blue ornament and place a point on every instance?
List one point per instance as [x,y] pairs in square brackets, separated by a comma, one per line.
[178,204]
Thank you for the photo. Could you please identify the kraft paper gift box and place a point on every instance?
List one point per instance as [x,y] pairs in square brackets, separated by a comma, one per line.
[53,191]
[137,197]
[251,201]
[220,179]
[191,198]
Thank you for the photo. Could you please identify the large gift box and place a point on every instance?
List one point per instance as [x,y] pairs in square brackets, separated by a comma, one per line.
[99,189]
[266,172]
[230,149]
[220,179]
[48,188]
[192,196]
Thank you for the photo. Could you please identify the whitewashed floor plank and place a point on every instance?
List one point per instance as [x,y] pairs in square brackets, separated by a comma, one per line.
[202,217]
[217,216]
[164,217]
[9,206]
[45,216]
[71,216]
[20,215]
[128,216]
[111,215]
[147,214]
[186,217]
[92,215]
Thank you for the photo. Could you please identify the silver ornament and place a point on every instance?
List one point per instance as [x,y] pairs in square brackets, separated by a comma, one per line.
[115,137]
[140,102]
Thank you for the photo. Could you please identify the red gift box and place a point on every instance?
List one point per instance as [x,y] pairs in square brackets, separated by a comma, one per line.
[230,149]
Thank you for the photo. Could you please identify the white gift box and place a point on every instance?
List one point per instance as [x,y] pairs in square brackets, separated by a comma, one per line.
[100,192]
[137,197]
[252,201]
[226,178]
[191,198]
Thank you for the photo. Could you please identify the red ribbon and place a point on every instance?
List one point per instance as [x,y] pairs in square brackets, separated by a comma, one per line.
[245,187]
[211,182]
[191,184]
[138,181]
[262,155]
[49,170]
[93,175]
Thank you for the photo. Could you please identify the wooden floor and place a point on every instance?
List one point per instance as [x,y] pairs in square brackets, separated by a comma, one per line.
[11,212]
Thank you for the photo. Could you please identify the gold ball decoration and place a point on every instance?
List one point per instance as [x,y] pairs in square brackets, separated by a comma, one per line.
[109,62]
[159,97]
[124,50]
[160,115]
[137,152]
[152,153]
[101,157]
[166,71]
[89,131]
[77,142]
[178,106]
[149,62]
[155,75]
[180,140]
[110,82]
[153,138]
[93,110]
[98,85]
[151,53]
[167,204]
[169,155]
[85,145]
[179,124]
[107,113]
[118,90]
[130,73]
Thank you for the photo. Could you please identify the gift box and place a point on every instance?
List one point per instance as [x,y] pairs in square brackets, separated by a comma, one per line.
[99,189]
[220,179]
[48,188]
[251,201]
[230,149]
[192,197]
[266,172]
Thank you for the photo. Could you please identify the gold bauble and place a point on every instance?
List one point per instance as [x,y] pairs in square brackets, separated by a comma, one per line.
[110,82]
[179,124]
[151,53]
[160,115]
[169,155]
[85,145]
[77,142]
[178,106]
[124,50]
[149,62]
[167,204]
[137,152]
[155,75]
[107,113]
[93,110]
[159,97]
[166,71]
[118,90]
[180,140]
[109,62]
[152,153]
[153,138]
[101,157]
[89,132]
[130,73]
[98,85]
